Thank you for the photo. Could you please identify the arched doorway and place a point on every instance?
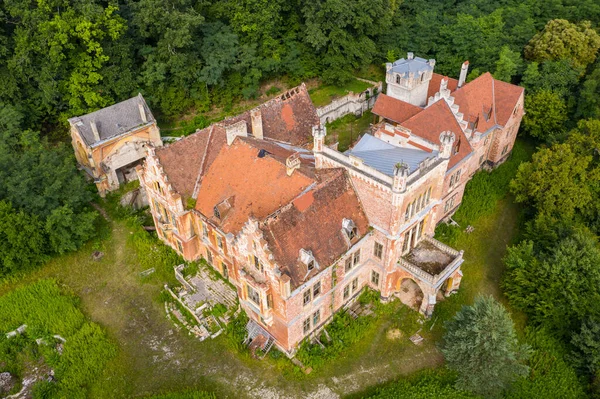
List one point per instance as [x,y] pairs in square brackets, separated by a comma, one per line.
[409,293]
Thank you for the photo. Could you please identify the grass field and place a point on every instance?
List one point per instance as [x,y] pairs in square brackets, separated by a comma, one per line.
[323,95]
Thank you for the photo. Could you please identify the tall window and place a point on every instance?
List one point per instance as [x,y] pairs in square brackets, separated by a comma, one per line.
[455,178]
[306,326]
[317,289]
[179,246]
[378,250]
[505,149]
[375,278]
[253,295]
[356,258]
[204,230]
[354,284]
[306,297]
[316,318]
[220,242]
[209,257]
[346,291]
[348,265]
[257,264]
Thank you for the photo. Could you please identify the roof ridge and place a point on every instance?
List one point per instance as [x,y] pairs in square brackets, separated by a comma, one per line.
[202,163]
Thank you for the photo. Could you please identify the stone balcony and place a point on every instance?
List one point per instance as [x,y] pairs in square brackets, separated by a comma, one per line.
[431,262]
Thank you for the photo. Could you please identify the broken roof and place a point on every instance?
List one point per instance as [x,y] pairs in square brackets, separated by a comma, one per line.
[288,117]
[384,156]
[113,121]
[253,174]
[313,222]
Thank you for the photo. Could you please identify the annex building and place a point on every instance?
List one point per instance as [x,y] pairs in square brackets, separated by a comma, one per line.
[300,228]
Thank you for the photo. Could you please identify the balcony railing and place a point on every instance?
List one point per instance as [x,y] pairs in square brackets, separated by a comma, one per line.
[434,280]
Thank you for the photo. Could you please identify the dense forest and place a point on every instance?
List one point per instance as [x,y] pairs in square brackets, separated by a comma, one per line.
[60,58]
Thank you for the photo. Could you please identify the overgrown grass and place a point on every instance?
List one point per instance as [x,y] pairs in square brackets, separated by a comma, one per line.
[489,208]
[323,95]
[429,384]
[47,310]
[348,129]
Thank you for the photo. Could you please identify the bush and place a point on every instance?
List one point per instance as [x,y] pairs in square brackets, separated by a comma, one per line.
[434,384]
[485,188]
[551,376]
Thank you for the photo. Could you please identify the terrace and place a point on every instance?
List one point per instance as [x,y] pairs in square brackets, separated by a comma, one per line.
[431,262]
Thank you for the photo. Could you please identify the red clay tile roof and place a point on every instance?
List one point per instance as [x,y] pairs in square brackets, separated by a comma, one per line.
[259,184]
[434,84]
[436,119]
[313,222]
[507,96]
[288,118]
[184,160]
[394,109]
[476,101]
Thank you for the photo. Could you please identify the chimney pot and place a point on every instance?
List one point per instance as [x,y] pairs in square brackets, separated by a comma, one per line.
[257,127]
[464,69]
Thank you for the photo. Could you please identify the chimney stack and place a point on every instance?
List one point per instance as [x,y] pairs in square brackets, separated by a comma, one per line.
[292,163]
[142,112]
[410,56]
[257,126]
[463,73]
[319,131]
[237,129]
[446,143]
[401,171]
[95,130]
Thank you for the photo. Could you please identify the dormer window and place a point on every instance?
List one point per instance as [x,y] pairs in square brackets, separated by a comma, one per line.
[350,228]
[398,79]
[216,212]
[308,259]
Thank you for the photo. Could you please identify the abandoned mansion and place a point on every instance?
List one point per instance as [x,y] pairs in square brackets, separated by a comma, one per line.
[298,227]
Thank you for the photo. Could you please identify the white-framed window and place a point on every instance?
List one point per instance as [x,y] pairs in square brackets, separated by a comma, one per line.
[378,250]
[253,295]
[356,258]
[306,326]
[455,178]
[348,265]
[220,243]
[375,278]
[204,230]
[354,284]
[346,291]
[316,318]
[306,297]
[481,159]
[317,289]
[257,264]
[449,204]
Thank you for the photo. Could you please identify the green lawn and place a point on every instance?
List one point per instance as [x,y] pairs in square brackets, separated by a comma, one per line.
[323,95]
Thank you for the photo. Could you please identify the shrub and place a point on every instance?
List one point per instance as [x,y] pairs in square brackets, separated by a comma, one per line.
[434,384]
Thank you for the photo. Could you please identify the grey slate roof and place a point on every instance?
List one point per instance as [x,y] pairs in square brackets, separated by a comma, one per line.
[113,121]
[417,64]
[384,156]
